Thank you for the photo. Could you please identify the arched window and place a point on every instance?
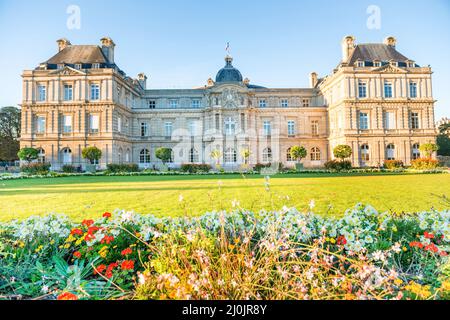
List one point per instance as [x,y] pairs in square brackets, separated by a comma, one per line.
[41,155]
[144,156]
[267,155]
[230,156]
[365,153]
[315,154]
[193,155]
[415,151]
[67,156]
[230,126]
[288,155]
[390,152]
[127,156]
[119,155]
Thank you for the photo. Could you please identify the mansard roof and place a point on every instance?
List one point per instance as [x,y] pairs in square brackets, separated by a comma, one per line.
[73,54]
[375,52]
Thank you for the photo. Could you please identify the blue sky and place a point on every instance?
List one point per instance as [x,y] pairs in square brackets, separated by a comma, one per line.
[182,43]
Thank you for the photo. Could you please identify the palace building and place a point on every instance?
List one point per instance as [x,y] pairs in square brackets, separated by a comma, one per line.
[376,100]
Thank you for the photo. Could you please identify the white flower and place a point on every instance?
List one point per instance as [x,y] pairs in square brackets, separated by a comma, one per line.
[396,247]
[44,289]
[141,278]
[235,203]
[312,204]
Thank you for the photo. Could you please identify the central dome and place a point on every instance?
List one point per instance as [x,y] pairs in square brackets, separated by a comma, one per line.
[229,73]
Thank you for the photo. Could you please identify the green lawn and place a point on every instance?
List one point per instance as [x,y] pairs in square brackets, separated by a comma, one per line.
[81,197]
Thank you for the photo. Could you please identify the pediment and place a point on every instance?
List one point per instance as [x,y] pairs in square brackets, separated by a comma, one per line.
[68,71]
[219,88]
[389,68]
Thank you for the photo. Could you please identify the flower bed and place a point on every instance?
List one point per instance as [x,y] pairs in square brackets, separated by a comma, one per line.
[238,255]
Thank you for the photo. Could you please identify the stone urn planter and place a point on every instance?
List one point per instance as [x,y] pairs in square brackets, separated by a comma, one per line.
[299,166]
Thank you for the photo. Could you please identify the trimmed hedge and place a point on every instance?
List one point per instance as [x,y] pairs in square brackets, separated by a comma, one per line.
[195,168]
[424,163]
[338,165]
[393,164]
[68,168]
[125,167]
[36,168]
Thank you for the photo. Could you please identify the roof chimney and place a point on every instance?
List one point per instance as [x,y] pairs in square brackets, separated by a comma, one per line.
[313,79]
[62,44]
[348,44]
[142,78]
[390,41]
[108,48]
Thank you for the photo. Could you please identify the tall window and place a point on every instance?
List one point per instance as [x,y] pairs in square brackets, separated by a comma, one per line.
[387,90]
[67,156]
[217,119]
[144,156]
[144,129]
[414,120]
[230,126]
[94,123]
[413,89]
[151,104]
[306,102]
[415,151]
[41,155]
[267,126]
[196,103]
[40,125]
[362,90]
[242,122]
[267,155]
[291,128]
[365,153]
[315,127]
[95,91]
[288,155]
[42,92]
[168,129]
[363,121]
[67,123]
[230,156]
[192,127]
[68,92]
[119,124]
[389,120]
[193,155]
[315,154]
[262,103]
[390,152]
[284,103]
[173,103]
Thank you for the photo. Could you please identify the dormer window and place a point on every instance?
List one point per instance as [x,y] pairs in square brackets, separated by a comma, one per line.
[410,64]
[360,64]
[96,66]
[377,63]
[78,66]
[60,66]
[393,63]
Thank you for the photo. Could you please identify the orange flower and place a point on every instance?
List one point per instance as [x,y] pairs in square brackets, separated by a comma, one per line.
[107,239]
[76,231]
[77,254]
[87,223]
[126,251]
[100,269]
[67,296]
[127,265]
[107,215]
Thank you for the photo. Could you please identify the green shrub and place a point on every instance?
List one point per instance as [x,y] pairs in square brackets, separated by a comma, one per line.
[36,168]
[195,168]
[424,164]
[338,165]
[393,164]
[68,168]
[125,167]
[259,166]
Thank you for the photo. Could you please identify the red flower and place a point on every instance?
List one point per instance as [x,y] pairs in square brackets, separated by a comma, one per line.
[110,269]
[443,254]
[416,244]
[77,254]
[107,239]
[127,265]
[428,235]
[76,231]
[341,240]
[107,215]
[89,237]
[126,251]
[431,247]
[67,296]
[100,269]
[87,223]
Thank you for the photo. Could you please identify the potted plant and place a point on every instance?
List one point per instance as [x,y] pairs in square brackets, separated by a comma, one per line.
[297,154]
[245,153]
[93,154]
[216,155]
[164,154]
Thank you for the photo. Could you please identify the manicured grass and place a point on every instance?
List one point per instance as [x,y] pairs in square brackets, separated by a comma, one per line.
[81,197]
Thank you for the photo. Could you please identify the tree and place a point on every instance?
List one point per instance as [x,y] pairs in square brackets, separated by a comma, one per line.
[298,153]
[92,154]
[428,149]
[163,154]
[28,154]
[342,151]
[216,154]
[245,153]
[443,142]
[9,133]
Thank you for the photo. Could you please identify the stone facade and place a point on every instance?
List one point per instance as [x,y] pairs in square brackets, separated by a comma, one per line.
[80,98]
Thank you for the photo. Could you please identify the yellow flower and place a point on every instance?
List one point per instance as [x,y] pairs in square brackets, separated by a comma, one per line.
[70,238]
[333,240]
[103,252]
[404,248]
[21,244]
[394,228]
[39,248]
[398,281]
[52,242]
[421,292]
